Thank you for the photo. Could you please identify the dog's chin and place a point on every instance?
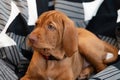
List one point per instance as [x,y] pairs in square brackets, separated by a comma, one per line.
[47,54]
[47,50]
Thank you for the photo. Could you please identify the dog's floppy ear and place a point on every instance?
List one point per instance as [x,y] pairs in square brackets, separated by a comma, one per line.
[70,38]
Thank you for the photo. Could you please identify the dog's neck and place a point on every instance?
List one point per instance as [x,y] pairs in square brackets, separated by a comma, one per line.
[55,54]
[52,58]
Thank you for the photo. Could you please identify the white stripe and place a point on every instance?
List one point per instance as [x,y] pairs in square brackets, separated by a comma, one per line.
[32,11]
[119,52]
[91,8]
[118,17]
[5,41]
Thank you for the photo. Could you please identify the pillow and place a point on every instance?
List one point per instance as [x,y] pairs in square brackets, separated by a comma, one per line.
[73,10]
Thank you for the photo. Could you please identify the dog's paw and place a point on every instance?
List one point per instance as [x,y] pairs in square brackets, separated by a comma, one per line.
[85,74]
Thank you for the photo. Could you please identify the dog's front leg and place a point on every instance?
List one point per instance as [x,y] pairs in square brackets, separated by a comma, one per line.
[86,72]
[66,75]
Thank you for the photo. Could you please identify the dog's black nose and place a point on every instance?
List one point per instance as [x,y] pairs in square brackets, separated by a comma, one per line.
[32,39]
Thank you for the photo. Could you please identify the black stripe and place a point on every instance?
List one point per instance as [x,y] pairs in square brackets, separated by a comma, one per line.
[1,55]
[70,16]
[19,42]
[12,54]
[115,44]
[1,52]
[7,6]
[4,11]
[3,20]
[68,4]
[16,55]
[20,0]
[25,45]
[4,77]
[75,18]
[10,74]
[69,10]
[5,16]
[108,39]
[6,3]
[4,53]
[15,49]
[1,77]
[110,71]
[1,24]
[22,6]
[42,6]
[103,38]
[0,30]
[112,75]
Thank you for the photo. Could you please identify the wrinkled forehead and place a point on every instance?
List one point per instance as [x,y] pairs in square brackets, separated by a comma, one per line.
[51,16]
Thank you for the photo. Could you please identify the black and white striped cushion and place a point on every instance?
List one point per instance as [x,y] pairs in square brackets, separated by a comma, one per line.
[6,73]
[17,31]
[5,9]
[73,10]
[110,73]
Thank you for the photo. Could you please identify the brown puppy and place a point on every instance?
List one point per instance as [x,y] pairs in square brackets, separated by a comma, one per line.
[95,50]
[57,43]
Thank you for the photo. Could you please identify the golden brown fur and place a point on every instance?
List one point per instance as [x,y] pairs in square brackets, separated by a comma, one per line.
[55,34]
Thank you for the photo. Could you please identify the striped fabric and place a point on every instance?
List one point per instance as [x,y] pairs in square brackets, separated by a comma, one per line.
[73,10]
[14,58]
[6,73]
[110,73]
[51,4]
[5,9]
[11,56]
[110,40]
[23,7]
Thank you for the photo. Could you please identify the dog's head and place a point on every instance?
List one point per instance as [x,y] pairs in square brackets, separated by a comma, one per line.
[54,31]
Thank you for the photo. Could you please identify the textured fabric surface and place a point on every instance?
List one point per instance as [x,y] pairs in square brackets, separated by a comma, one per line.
[5,9]
[16,30]
[73,10]
[6,73]
[104,23]
[110,73]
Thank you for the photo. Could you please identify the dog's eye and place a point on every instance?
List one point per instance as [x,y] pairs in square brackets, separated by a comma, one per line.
[36,24]
[51,27]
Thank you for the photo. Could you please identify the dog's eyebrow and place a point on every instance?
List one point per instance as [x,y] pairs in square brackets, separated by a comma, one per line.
[53,23]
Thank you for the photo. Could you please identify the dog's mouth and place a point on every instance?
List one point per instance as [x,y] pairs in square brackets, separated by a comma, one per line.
[47,54]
